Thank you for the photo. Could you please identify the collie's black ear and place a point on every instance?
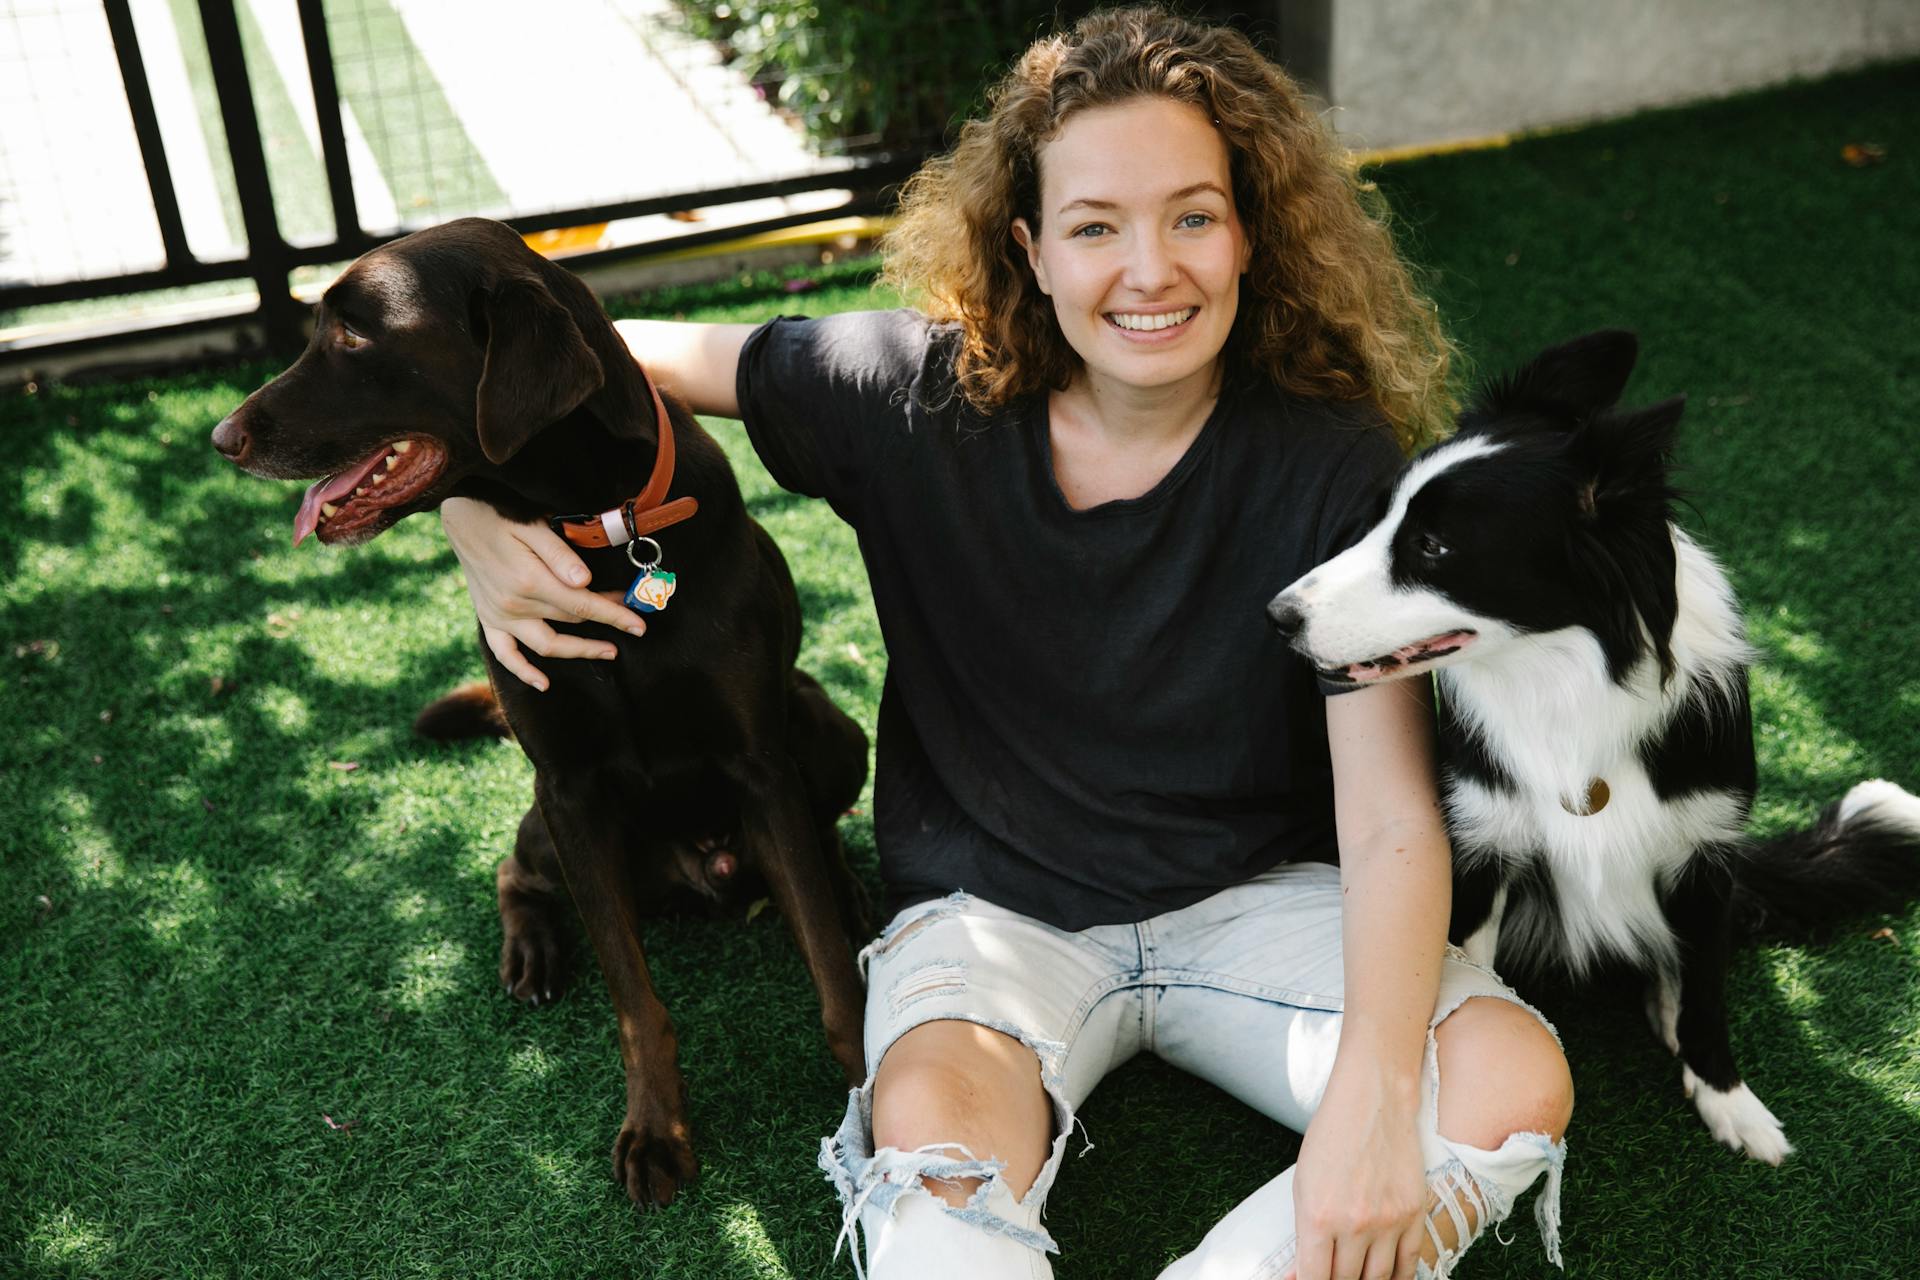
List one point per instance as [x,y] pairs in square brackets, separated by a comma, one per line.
[538,368]
[1627,457]
[1570,382]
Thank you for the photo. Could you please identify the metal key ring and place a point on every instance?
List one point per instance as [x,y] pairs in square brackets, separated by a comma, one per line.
[638,563]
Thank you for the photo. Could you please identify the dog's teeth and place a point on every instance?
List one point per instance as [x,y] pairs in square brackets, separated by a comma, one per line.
[357,492]
[379,477]
[326,510]
[401,446]
[393,460]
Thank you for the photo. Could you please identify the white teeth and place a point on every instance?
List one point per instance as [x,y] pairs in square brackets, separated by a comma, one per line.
[379,477]
[401,446]
[393,460]
[326,510]
[357,492]
[1146,324]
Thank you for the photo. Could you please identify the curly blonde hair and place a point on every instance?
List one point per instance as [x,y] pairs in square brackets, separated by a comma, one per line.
[1328,310]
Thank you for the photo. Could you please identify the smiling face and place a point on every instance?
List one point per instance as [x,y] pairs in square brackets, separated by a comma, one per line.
[1139,244]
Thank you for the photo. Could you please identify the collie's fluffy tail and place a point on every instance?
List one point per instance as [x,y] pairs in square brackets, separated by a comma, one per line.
[471,711]
[1862,856]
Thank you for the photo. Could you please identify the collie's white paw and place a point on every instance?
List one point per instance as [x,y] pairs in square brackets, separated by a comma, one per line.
[1738,1119]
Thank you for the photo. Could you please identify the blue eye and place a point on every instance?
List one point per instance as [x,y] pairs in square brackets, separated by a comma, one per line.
[1092,227]
[1195,221]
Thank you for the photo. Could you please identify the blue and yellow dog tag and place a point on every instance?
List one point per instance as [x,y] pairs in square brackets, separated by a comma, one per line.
[650,591]
[653,588]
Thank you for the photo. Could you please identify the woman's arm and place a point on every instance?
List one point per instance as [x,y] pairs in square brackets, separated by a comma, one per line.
[697,362]
[522,576]
[1360,1186]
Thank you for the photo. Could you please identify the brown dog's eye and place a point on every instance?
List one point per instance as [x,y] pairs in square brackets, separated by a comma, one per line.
[348,338]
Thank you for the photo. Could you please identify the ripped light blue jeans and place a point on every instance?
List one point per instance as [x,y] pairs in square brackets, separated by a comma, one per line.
[1243,989]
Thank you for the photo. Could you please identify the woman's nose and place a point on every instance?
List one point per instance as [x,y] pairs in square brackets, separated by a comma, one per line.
[1150,265]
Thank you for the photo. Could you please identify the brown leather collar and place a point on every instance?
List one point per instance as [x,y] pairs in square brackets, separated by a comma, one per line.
[639,516]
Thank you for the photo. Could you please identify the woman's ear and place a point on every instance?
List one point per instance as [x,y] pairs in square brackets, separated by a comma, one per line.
[1023,236]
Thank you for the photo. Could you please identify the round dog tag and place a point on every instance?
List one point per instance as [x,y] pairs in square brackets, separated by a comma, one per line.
[1598,793]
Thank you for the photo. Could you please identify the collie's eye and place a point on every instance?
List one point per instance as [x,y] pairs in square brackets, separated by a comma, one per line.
[349,338]
[1430,547]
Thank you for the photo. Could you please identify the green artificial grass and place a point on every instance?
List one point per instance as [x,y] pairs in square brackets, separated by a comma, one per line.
[249,1024]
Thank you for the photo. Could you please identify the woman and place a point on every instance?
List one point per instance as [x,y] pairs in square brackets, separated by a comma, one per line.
[1168,360]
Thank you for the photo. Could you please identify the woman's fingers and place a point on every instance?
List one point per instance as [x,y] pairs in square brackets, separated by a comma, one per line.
[548,643]
[1313,1254]
[1381,1257]
[1407,1261]
[509,656]
[603,607]
[553,549]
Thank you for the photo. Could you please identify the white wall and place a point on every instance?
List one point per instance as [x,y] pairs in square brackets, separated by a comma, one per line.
[1414,71]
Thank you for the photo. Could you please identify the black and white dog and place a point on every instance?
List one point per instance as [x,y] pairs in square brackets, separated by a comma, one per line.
[1595,737]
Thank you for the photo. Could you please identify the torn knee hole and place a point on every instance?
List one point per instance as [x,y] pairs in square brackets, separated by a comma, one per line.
[1456,1211]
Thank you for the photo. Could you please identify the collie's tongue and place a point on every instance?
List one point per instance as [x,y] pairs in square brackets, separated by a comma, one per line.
[332,489]
[1434,647]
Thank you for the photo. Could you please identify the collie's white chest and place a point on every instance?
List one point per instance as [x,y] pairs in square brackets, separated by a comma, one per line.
[1607,870]
[1553,723]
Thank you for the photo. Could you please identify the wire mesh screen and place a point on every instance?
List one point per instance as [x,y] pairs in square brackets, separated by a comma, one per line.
[73,192]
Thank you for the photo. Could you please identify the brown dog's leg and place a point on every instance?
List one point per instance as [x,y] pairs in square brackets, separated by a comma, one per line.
[831,752]
[653,1156]
[533,906]
[780,831]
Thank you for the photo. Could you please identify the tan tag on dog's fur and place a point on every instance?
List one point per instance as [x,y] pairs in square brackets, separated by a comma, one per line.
[1598,793]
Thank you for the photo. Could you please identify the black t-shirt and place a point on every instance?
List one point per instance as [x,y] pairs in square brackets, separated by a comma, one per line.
[1086,717]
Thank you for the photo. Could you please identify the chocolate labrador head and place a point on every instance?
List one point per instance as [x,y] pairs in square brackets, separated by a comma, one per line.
[434,358]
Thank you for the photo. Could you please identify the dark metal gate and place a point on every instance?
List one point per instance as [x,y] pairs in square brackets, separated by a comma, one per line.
[268,256]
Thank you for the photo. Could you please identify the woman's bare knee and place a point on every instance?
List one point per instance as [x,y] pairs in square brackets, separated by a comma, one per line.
[968,1085]
[1501,1073]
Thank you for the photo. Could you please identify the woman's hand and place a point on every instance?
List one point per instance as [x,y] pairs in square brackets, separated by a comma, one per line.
[1359,1189]
[520,576]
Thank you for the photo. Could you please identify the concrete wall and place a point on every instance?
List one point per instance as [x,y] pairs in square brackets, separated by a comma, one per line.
[1402,72]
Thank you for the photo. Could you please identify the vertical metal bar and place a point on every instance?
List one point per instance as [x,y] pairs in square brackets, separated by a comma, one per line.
[333,133]
[146,128]
[1306,44]
[268,255]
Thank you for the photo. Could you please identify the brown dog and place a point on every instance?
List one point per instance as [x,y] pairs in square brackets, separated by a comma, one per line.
[458,361]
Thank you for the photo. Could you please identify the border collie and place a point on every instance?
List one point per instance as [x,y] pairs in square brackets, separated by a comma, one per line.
[1595,736]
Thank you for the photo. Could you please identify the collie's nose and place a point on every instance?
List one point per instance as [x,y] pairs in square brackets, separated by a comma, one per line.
[231,439]
[1285,616]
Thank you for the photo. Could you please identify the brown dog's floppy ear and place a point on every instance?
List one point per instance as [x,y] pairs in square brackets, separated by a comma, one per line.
[538,365]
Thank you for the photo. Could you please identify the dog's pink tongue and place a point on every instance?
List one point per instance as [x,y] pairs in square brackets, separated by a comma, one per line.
[331,489]
[308,517]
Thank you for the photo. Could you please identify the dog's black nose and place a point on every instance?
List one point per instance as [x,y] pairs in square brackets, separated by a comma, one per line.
[231,439]
[1285,617]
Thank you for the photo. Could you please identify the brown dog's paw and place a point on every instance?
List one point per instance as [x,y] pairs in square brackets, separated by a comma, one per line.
[533,946]
[533,964]
[653,1161]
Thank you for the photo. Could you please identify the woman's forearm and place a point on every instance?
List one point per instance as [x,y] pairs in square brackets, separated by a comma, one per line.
[1397,889]
[696,362]
[1395,870]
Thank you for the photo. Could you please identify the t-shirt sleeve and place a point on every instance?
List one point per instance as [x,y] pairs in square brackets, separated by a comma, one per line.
[1353,503]
[821,398]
